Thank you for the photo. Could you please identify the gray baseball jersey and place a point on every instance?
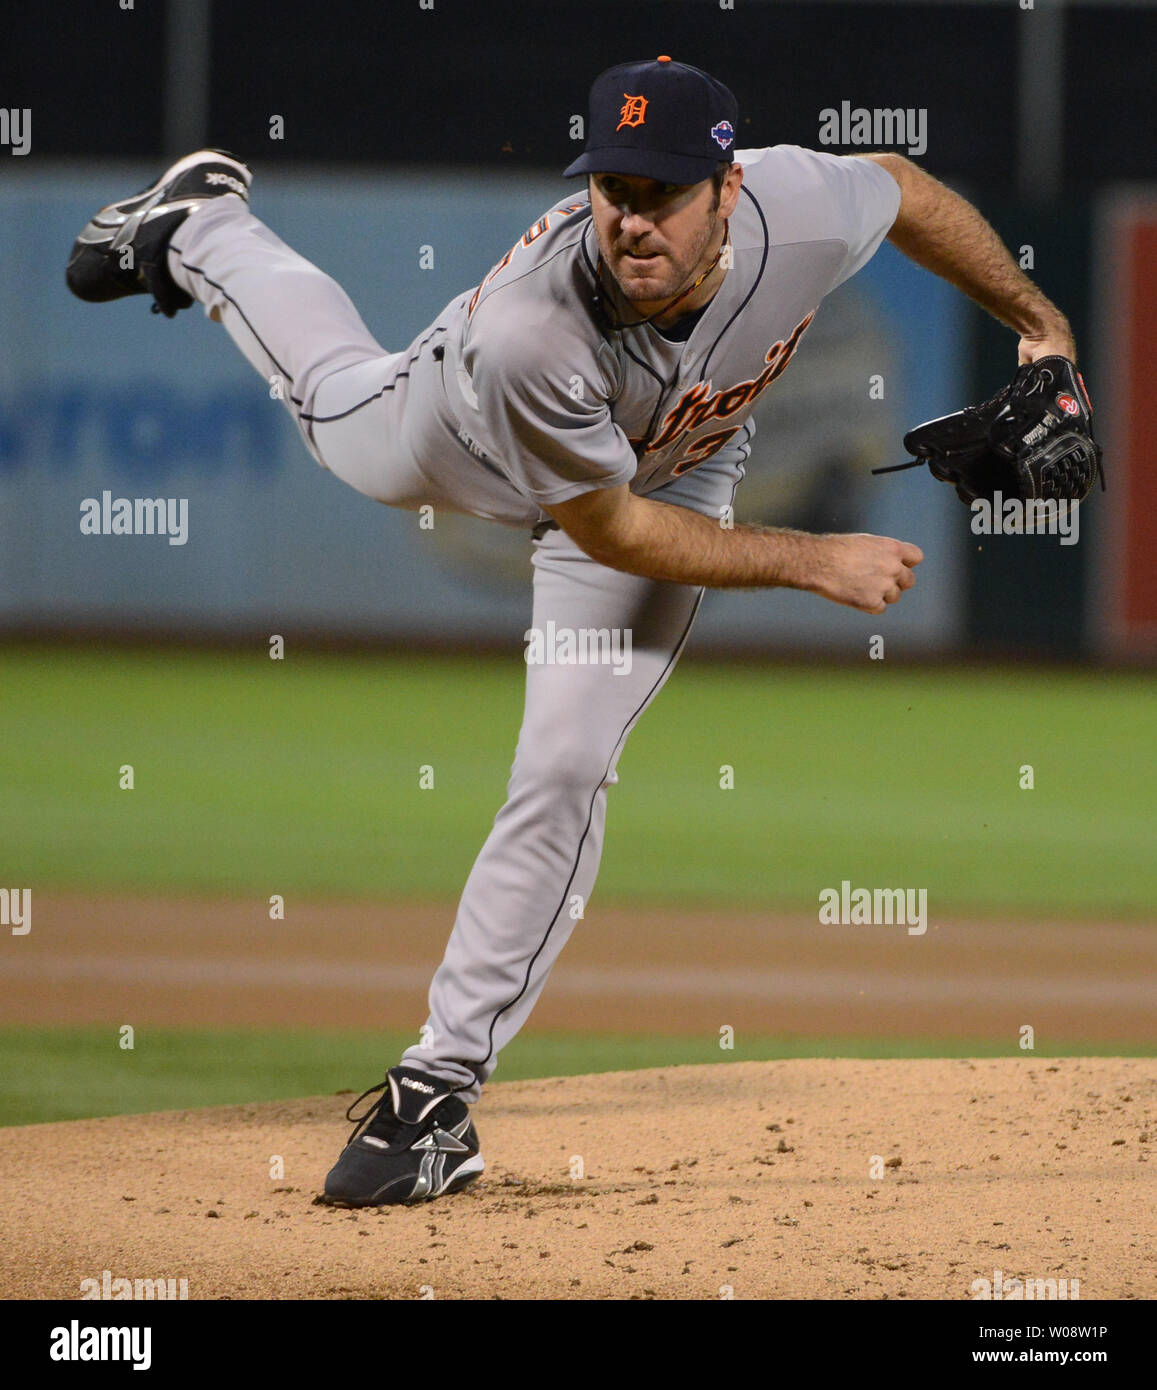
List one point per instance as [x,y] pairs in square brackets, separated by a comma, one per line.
[518,396]
[554,402]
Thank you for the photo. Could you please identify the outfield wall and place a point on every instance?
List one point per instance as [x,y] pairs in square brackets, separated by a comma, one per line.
[115,398]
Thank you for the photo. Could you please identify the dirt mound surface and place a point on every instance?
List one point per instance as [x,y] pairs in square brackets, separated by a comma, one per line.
[793,1179]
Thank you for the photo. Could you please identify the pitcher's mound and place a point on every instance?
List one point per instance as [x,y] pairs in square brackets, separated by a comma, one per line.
[795,1179]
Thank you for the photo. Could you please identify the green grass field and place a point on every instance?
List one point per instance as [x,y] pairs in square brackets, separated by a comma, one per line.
[73,1073]
[302,777]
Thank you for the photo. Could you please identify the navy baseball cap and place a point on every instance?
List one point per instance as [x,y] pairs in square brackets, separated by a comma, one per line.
[659,120]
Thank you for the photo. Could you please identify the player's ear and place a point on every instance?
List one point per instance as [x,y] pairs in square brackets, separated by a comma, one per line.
[729,195]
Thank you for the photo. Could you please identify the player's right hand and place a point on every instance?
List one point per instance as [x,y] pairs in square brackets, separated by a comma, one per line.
[863,571]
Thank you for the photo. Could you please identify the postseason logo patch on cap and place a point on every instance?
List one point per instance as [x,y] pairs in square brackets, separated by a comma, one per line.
[722,134]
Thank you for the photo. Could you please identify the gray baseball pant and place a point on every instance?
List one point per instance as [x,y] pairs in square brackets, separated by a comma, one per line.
[535,874]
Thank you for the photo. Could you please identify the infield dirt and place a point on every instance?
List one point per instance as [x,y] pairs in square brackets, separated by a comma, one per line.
[174,962]
[752,1180]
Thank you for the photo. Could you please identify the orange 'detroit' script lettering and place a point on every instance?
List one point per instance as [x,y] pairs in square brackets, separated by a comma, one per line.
[700,404]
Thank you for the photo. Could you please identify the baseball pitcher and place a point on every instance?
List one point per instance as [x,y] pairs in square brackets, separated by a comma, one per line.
[596,389]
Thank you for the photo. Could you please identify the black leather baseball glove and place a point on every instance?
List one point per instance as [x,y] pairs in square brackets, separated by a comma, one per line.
[1032,440]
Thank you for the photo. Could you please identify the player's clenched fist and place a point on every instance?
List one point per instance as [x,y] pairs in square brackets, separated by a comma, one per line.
[862,571]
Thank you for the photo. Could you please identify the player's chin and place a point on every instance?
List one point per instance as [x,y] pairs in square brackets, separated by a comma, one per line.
[644,280]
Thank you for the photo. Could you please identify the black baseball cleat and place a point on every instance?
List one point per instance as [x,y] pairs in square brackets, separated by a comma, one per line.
[122,250]
[415,1142]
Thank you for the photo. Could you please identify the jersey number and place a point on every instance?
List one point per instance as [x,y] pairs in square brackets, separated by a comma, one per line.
[703,449]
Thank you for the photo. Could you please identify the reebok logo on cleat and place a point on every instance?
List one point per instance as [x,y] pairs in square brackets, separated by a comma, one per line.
[228,180]
[418,1086]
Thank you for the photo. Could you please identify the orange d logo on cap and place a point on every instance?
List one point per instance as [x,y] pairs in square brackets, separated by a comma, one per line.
[634,111]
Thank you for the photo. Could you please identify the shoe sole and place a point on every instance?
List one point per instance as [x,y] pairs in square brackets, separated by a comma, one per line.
[462,1176]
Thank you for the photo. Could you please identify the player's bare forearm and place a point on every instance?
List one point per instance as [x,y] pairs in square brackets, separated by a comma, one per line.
[659,541]
[941,231]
